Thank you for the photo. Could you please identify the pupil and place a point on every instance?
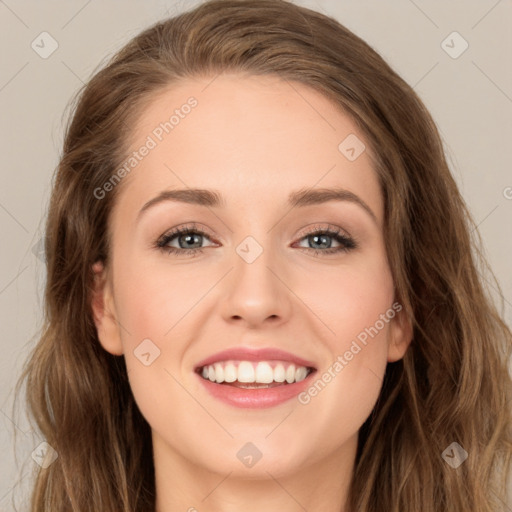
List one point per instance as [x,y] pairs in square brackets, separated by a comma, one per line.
[323,239]
[189,238]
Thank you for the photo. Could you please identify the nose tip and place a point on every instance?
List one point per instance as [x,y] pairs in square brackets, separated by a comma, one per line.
[254,292]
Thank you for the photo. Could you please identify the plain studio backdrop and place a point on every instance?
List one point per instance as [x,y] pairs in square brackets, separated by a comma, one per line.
[455,54]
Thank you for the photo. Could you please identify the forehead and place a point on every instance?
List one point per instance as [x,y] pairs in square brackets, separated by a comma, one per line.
[255,138]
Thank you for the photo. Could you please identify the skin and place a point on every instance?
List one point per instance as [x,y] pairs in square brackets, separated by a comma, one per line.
[255,140]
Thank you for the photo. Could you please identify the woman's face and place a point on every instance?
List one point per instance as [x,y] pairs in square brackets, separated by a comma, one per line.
[284,250]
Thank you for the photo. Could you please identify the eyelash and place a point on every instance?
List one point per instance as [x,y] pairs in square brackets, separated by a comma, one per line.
[347,243]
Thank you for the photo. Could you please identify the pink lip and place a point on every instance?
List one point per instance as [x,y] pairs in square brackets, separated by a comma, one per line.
[255,398]
[248,354]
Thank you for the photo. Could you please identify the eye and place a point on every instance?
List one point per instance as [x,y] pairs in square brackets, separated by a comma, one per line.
[320,240]
[186,240]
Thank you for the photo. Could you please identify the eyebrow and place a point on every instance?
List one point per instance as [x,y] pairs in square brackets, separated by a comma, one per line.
[297,199]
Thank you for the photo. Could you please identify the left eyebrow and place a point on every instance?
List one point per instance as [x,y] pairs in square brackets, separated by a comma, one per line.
[297,199]
[199,196]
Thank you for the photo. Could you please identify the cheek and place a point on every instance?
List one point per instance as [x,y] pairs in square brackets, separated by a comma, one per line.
[158,307]
[152,298]
[356,309]
[350,298]
[150,305]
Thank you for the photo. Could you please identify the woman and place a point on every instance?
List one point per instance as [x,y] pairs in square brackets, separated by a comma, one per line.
[262,289]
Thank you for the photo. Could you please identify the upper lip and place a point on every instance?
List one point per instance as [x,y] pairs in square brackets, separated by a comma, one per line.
[252,354]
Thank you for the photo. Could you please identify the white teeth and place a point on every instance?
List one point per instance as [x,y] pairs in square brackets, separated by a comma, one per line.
[290,374]
[300,374]
[264,373]
[279,373]
[248,372]
[230,373]
[245,372]
[219,373]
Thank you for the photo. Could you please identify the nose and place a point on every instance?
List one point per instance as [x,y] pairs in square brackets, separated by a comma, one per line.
[257,293]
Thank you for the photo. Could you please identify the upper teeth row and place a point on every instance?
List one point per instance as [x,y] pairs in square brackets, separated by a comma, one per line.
[262,372]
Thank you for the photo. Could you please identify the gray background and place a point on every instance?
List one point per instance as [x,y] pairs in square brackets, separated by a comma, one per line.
[470,98]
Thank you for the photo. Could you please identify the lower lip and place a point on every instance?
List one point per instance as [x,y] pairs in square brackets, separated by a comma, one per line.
[255,398]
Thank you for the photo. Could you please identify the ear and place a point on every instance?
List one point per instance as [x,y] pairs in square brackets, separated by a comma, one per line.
[104,313]
[400,335]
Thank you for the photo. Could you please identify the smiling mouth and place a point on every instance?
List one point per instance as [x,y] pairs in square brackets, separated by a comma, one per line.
[254,375]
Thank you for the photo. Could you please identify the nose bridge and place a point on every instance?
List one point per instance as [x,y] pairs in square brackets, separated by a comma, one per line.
[255,292]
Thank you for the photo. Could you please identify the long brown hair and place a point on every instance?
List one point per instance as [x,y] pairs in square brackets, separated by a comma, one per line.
[452,385]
